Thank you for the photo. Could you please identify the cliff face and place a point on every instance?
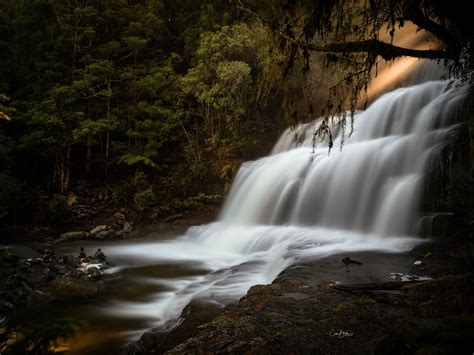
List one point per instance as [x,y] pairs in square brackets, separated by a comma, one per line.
[448,204]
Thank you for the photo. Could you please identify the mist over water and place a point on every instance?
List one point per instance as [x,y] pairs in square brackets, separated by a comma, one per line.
[296,203]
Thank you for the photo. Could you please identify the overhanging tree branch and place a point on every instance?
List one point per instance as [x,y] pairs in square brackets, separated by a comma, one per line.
[385,50]
[413,13]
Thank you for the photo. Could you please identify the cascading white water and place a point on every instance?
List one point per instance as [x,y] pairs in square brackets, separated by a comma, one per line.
[295,203]
[372,185]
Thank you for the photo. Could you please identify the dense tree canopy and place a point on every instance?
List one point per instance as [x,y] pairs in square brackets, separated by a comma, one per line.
[98,90]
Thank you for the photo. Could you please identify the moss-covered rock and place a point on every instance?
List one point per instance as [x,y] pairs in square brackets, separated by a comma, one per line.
[69,287]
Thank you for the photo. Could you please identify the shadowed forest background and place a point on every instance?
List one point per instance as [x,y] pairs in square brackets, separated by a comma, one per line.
[156,101]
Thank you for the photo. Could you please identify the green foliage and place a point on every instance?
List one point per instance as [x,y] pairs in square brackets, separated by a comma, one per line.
[9,186]
[58,208]
[104,90]
[43,337]
[139,158]
[194,201]
[184,204]
[4,110]
[232,65]
[144,200]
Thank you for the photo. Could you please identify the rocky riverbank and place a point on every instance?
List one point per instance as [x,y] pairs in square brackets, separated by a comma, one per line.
[419,302]
[113,224]
[37,277]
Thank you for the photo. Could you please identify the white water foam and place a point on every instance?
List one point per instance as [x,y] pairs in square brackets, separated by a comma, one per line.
[297,204]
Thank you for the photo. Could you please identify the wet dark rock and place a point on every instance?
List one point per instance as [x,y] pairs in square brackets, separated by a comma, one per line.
[349,261]
[93,273]
[25,286]
[36,261]
[116,226]
[72,236]
[21,252]
[68,260]
[5,306]
[295,296]
[127,227]
[18,293]
[78,273]
[193,317]
[99,255]
[35,278]
[61,270]
[301,313]
[70,287]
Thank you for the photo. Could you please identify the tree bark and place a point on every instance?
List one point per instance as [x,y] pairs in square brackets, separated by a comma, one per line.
[62,167]
[413,13]
[88,154]
[385,50]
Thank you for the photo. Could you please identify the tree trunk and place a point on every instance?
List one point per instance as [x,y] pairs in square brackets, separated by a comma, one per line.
[67,167]
[62,167]
[88,154]
[107,138]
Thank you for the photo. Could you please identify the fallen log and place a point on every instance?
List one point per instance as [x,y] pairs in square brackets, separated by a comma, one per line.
[390,285]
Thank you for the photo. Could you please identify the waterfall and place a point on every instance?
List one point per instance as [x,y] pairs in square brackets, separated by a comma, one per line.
[301,202]
[371,185]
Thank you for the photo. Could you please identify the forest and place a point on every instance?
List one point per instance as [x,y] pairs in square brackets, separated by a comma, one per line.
[156,99]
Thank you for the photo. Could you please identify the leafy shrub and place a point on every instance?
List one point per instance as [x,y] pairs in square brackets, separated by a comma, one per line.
[59,208]
[193,201]
[144,200]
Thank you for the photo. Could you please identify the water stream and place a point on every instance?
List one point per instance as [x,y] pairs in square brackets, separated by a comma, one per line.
[295,203]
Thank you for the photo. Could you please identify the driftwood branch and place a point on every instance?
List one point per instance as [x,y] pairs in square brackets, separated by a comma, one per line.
[390,285]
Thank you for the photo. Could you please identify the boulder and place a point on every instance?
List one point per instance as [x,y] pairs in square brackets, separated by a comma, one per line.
[93,273]
[127,227]
[119,216]
[72,236]
[21,252]
[98,230]
[67,260]
[104,234]
[70,287]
